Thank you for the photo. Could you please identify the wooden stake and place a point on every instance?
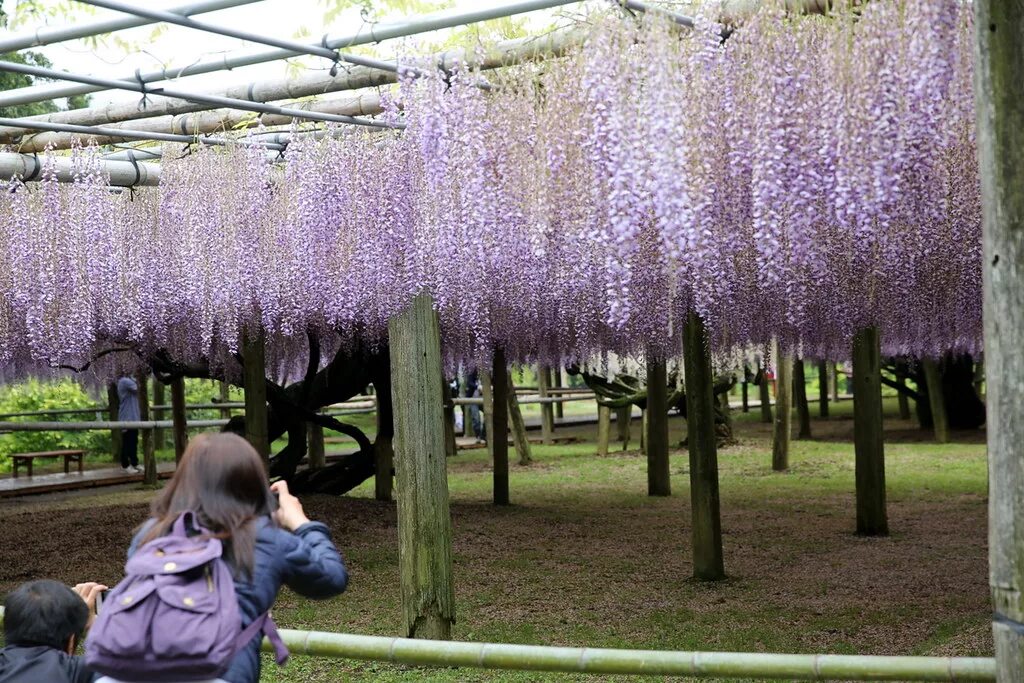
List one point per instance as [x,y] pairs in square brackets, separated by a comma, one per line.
[497,425]
[515,415]
[708,563]
[255,384]
[658,471]
[149,474]
[225,396]
[316,451]
[159,399]
[901,398]
[178,417]
[604,429]
[835,382]
[449,419]
[547,410]
[999,98]
[803,410]
[559,384]
[867,434]
[744,391]
[383,444]
[623,424]
[783,412]
[766,399]
[822,389]
[424,518]
[936,399]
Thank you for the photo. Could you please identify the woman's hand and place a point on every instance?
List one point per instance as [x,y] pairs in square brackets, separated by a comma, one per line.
[289,513]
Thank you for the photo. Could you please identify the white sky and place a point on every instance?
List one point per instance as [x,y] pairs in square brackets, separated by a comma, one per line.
[176,45]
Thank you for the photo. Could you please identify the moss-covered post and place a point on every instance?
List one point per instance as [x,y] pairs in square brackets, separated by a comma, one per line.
[604,428]
[384,443]
[867,434]
[179,431]
[999,97]
[159,399]
[149,474]
[515,415]
[936,399]
[656,441]
[782,431]
[497,424]
[765,397]
[822,389]
[803,409]
[424,519]
[254,381]
[623,424]
[547,410]
[113,407]
[708,564]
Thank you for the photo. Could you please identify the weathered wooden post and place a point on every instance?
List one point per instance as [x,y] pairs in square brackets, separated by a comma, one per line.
[149,475]
[559,384]
[497,425]
[179,430]
[623,424]
[835,382]
[765,397]
[424,519]
[467,422]
[803,409]
[744,394]
[822,389]
[316,452]
[708,564]
[159,399]
[225,396]
[936,399]
[113,406]
[384,443]
[901,398]
[658,476]
[604,428]
[867,434]
[547,410]
[254,381]
[782,430]
[450,445]
[515,414]
[999,97]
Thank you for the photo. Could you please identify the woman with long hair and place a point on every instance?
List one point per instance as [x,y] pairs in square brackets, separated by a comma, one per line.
[268,540]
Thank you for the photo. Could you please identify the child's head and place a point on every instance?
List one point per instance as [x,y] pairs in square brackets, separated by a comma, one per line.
[44,613]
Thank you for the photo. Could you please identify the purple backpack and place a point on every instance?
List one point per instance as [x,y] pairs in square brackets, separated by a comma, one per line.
[175,615]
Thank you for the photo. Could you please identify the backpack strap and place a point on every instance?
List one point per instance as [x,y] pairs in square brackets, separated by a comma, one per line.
[264,624]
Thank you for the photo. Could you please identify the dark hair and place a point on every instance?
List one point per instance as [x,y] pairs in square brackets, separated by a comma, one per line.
[235,425]
[221,478]
[45,613]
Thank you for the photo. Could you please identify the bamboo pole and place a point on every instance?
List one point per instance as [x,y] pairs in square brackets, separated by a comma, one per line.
[823,389]
[867,434]
[783,428]
[547,412]
[255,383]
[497,425]
[708,563]
[149,473]
[179,430]
[515,414]
[999,99]
[424,518]
[803,409]
[658,471]
[936,399]
[604,429]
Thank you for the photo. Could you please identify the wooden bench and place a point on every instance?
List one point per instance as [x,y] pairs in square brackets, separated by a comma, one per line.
[27,458]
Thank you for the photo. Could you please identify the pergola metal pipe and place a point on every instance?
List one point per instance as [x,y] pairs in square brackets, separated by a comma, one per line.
[201,123]
[362,36]
[290,45]
[210,100]
[49,34]
[128,134]
[503,54]
[638,6]
[120,173]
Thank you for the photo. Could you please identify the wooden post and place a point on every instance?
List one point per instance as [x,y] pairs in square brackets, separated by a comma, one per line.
[180,430]
[255,384]
[317,454]
[424,518]
[658,471]
[766,399]
[822,389]
[450,445]
[515,415]
[623,424]
[723,402]
[383,443]
[835,382]
[936,399]
[803,409]
[497,425]
[867,434]
[159,399]
[604,428]
[999,98]
[901,398]
[487,395]
[744,393]
[149,475]
[225,396]
[708,564]
[113,406]
[559,407]
[467,423]
[643,431]
[783,412]
[547,410]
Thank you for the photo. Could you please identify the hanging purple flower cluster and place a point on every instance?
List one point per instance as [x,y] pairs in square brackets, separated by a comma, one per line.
[804,178]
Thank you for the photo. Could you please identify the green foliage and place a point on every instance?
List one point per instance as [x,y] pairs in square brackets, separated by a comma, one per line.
[35,395]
